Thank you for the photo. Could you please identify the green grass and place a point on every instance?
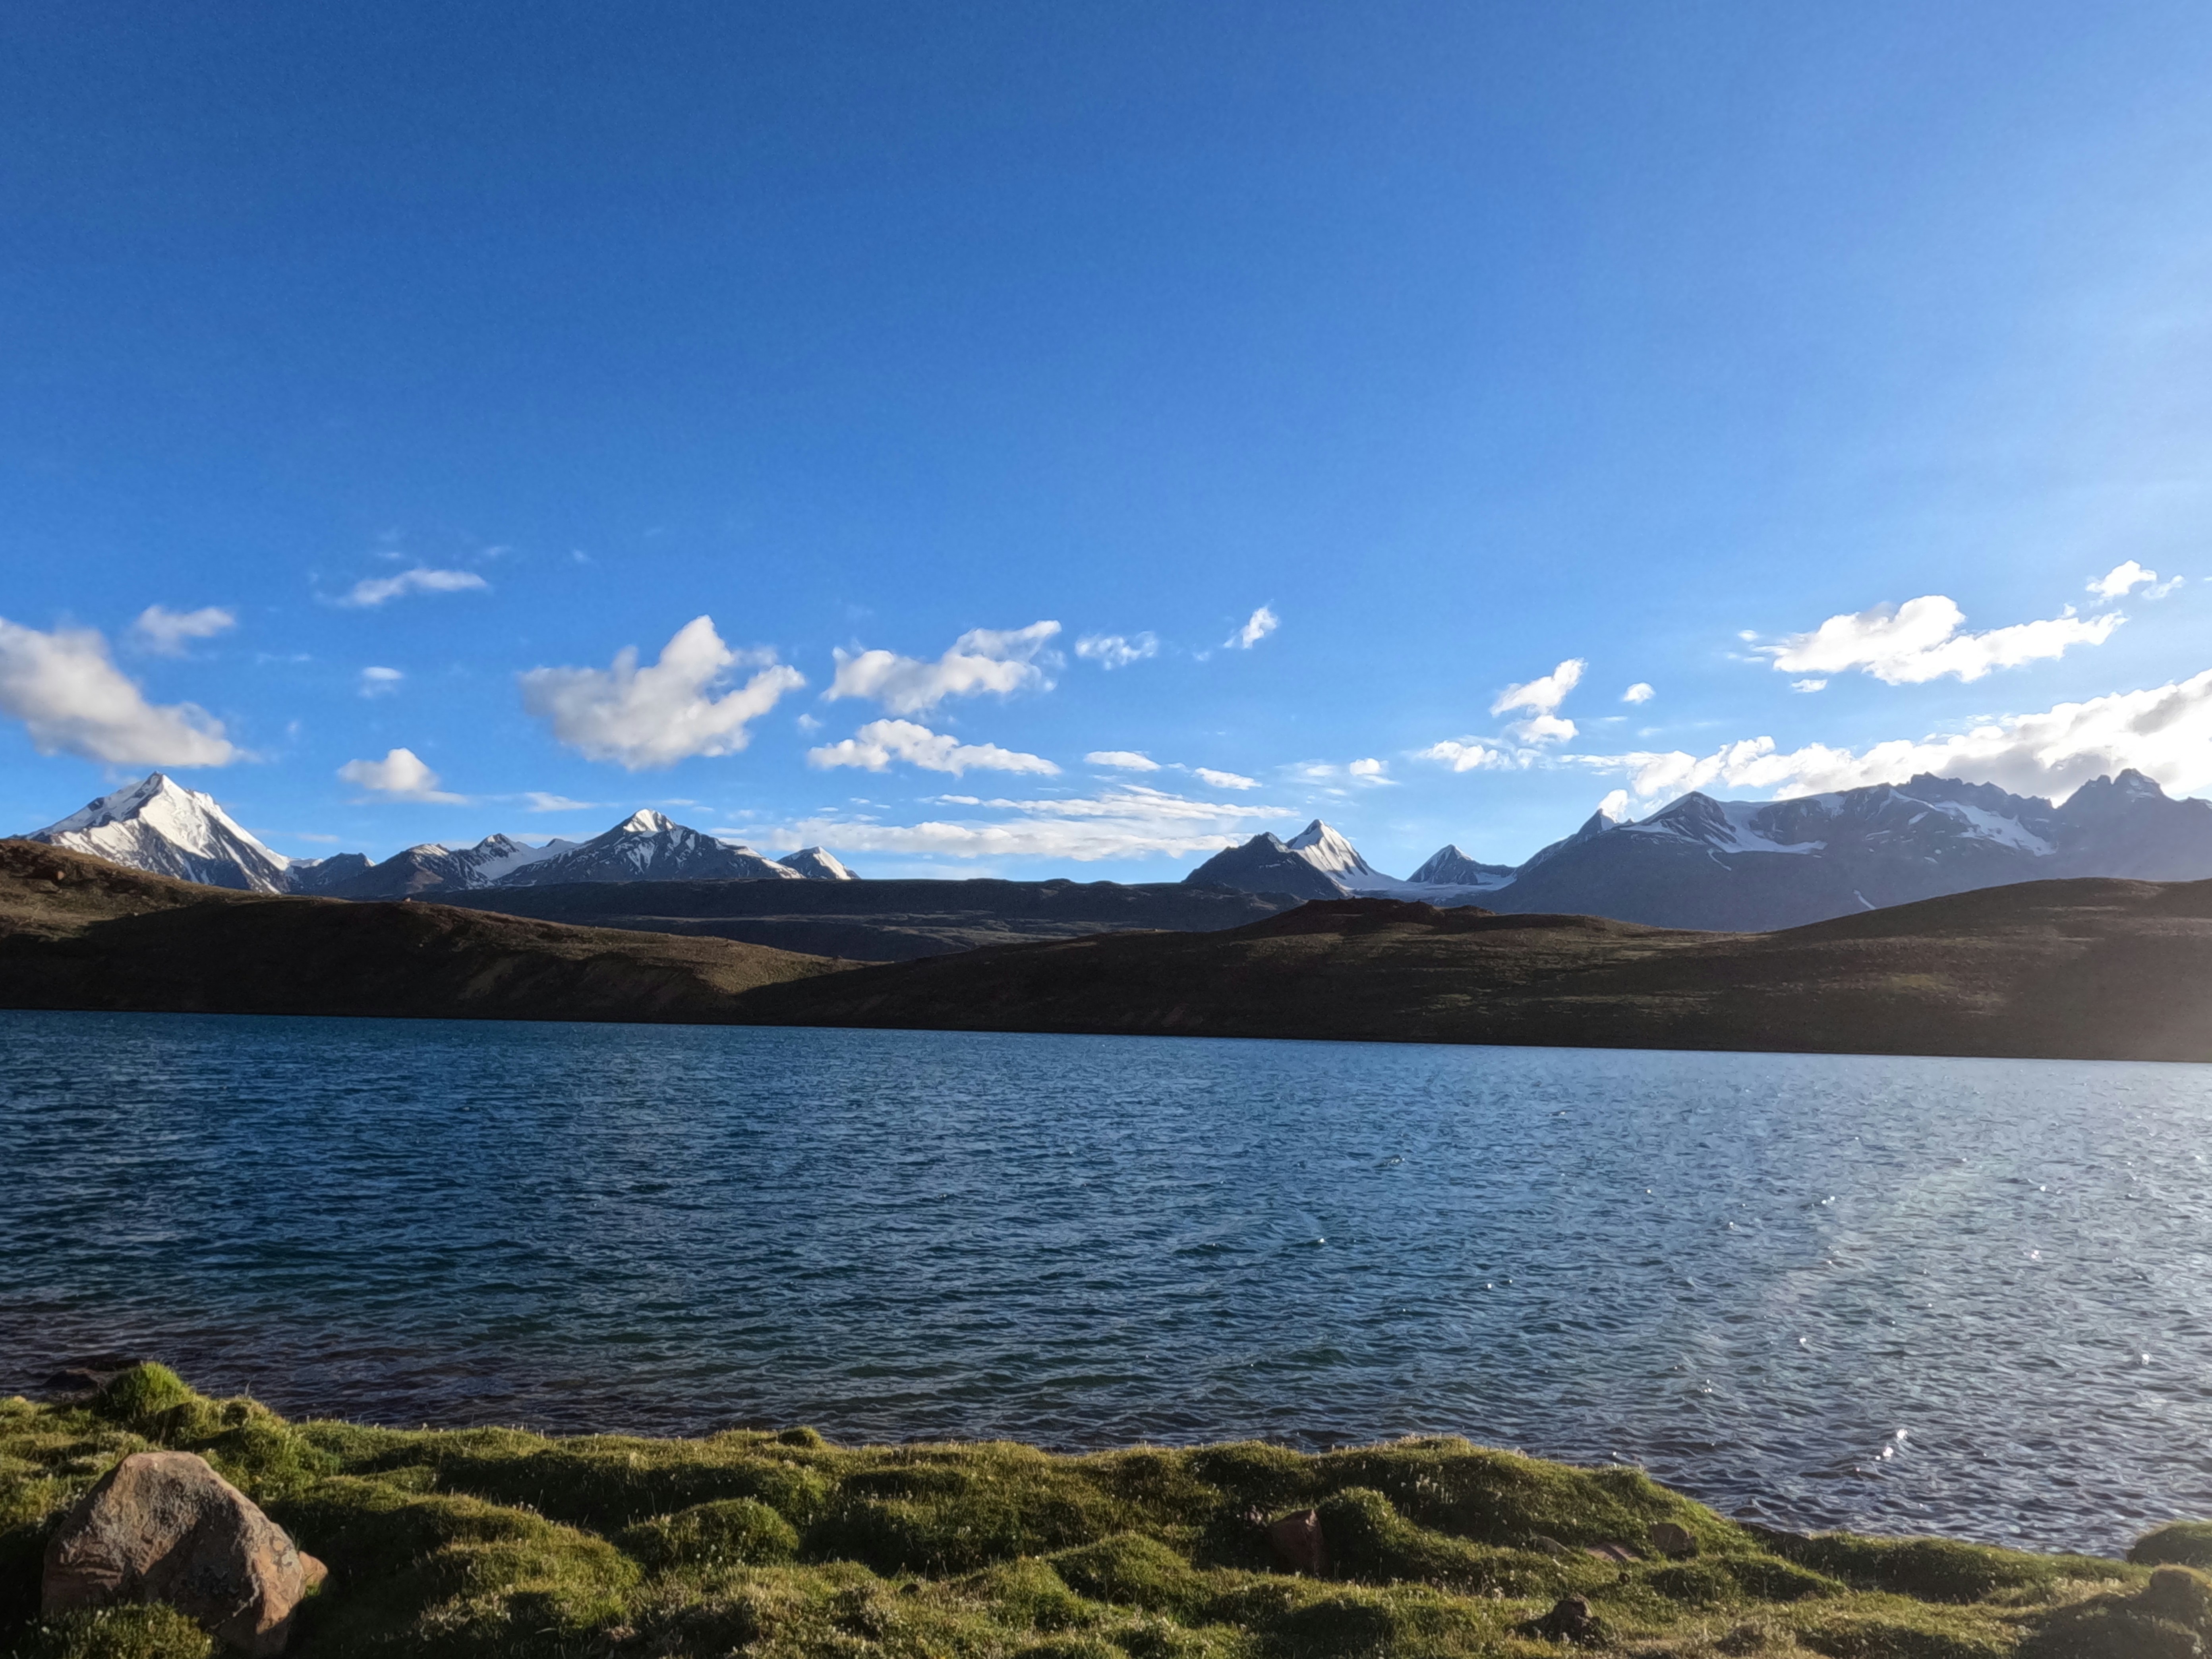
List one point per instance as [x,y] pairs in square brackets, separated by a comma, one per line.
[497,1542]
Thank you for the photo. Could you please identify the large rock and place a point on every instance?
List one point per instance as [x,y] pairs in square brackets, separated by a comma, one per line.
[164,1527]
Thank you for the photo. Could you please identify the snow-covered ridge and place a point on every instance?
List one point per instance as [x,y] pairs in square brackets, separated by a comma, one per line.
[160,826]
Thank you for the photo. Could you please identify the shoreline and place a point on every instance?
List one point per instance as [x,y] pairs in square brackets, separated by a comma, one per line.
[784,1543]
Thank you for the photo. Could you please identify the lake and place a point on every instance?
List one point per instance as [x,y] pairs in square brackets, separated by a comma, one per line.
[1897,1295]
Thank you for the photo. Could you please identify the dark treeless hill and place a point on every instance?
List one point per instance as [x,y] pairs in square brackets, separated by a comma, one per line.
[883,920]
[2087,969]
[77,931]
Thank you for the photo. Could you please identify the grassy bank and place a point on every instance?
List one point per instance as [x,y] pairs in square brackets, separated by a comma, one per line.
[499,1542]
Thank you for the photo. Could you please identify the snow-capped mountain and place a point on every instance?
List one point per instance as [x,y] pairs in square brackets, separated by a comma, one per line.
[1327,851]
[1266,863]
[435,867]
[1449,868]
[817,864]
[160,826]
[648,847]
[1754,866]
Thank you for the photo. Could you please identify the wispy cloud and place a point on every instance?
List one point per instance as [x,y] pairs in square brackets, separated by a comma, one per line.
[1639,692]
[1113,651]
[72,699]
[165,632]
[1000,660]
[373,590]
[641,718]
[879,742]
[401,776]
[1919,640]
[540,802]
[379,682]
[1261,623]
[1123,760]
[1220,780]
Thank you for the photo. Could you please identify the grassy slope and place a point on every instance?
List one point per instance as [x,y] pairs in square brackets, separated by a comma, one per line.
[81,932]
[2064,969]
[499,1542]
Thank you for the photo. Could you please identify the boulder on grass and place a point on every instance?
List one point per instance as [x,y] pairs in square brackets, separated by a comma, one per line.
[164,1527]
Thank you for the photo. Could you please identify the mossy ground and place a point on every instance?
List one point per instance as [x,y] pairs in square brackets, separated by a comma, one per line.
[494,1541]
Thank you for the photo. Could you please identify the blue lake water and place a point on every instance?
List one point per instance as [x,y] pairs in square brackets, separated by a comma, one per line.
[1899,1295]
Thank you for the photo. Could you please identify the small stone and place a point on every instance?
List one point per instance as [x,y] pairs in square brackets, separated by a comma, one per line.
[1619,1553]
[164,1527]
[1298,1540]
[1672,1539]
[1570,1620]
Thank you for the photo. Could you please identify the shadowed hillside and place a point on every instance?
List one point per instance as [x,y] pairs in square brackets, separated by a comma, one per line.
[2089,970]
[77,931]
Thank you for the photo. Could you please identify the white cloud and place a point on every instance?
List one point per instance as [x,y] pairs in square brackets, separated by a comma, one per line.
[1544,695]
[2165,732]
[540,802]
[377,681]
[879,742]
[982,660]
[163,631]
[2118,581]
[1369,771]
[1124,760]
[1639,692]
[401,776]
[1543,728]
[656,716]
[1113,651]
[1809,686]
[1127,821]
[1614,806]
[373,590]
[1224,780]
[73,700]
[1261,623]
[1919,640]
[1474,755]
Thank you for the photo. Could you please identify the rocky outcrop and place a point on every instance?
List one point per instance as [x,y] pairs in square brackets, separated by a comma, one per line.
[164,1527]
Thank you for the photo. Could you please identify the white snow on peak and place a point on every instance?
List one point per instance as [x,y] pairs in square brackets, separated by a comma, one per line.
[645,822]
[158,825]
[1328,852]
[816,864]
[1726,826]
[1986,825]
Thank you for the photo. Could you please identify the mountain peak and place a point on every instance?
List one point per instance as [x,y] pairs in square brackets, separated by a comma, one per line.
[1325,847]
[645,822]
[816,864]
[159,826]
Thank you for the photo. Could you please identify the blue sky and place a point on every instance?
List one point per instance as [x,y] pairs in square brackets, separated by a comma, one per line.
[375,378]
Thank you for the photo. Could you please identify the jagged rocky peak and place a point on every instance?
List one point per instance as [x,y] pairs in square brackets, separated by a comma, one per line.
[816,864]
[1265,865]
[647,822]
[158,825]
[1325,849]
[1450,867]
[648,846]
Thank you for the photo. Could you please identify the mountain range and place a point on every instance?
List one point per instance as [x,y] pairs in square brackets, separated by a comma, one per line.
[160,826]
[1696,863]
[1753,866]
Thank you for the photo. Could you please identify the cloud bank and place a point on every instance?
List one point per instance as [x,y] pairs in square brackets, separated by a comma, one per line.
[1127,821]
[73,700]
[643,718]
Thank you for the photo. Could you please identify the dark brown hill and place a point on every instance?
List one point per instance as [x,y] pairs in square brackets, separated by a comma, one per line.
[80,933]
[2088,970]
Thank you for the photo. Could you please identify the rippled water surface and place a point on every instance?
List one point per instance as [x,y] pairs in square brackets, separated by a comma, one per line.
[1902,1294]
